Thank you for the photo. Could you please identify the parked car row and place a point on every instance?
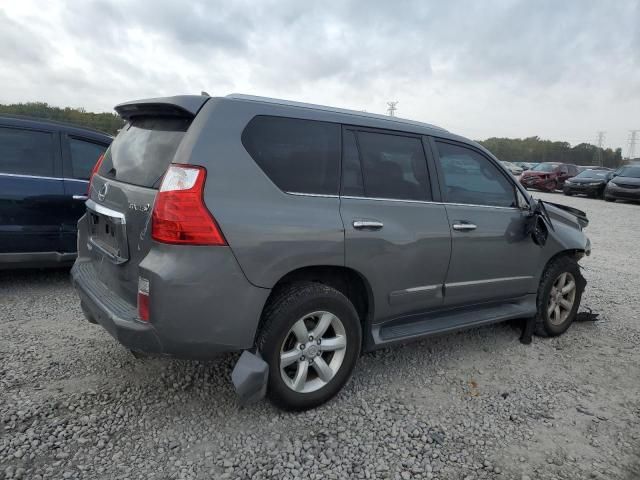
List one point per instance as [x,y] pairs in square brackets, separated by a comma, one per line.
[593,181]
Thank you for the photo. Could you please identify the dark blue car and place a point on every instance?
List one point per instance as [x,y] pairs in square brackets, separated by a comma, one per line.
[44,177]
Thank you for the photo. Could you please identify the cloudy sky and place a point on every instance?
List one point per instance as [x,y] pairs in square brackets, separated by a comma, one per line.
[559,69]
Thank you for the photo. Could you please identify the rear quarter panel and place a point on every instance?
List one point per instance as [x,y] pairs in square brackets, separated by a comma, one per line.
[270,232]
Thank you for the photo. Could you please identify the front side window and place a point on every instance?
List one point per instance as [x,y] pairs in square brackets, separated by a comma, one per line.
[299,156]
[393,167]
[84,156]
[471,178]
[26,152]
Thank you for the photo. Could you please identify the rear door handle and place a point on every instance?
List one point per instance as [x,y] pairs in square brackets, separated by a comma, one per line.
[367,224]
[463,226]
[80,197]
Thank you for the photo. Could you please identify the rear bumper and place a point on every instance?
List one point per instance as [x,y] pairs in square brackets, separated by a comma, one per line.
[100,305]
[192,314]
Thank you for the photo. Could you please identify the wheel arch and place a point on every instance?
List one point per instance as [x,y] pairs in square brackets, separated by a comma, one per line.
[347,281]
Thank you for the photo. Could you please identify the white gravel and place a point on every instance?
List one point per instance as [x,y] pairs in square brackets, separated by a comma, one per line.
[478,404]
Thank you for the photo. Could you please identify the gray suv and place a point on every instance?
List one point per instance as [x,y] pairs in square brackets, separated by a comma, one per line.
[303,235]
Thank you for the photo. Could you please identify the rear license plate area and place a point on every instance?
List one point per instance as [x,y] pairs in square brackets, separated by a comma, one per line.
[103,230]
[107,233]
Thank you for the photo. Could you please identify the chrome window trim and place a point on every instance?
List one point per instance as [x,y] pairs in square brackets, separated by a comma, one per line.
[320,195]
[39,177]
[488,280]
[379,199]
[428,202]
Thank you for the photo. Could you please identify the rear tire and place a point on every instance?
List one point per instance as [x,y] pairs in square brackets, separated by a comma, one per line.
[307,372]
[609,199]
[559,296]
[568,194]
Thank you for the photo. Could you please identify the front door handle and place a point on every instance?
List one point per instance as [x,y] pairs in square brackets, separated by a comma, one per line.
[80,197]
[367,224]
[464,226]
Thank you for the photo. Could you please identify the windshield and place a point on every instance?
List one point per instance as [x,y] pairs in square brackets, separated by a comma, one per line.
[598,174]
[630,172]
[546,167]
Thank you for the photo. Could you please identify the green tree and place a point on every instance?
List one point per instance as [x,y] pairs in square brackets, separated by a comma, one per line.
[105,122]
[534,149]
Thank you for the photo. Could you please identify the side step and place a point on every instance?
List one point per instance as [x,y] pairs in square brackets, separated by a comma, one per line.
[443,321]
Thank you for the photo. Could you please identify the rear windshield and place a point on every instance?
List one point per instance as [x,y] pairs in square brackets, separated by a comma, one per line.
[143,150]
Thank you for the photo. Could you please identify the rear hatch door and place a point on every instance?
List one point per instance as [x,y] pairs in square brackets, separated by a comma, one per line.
[124,189]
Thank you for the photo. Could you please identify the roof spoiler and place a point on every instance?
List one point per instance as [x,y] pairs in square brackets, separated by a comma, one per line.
[186,106]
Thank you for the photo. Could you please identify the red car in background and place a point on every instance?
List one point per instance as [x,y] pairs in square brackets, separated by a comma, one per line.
[548,176]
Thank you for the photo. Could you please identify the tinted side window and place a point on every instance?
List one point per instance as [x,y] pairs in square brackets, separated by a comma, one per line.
[299,156]
[471,178]
[26,152]
[84,156]
[393,167]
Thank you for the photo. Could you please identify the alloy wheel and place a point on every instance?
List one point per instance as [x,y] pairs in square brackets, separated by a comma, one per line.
[561,298]
[313,351]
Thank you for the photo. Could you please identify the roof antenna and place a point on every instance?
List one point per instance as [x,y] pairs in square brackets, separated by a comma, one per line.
[203,93]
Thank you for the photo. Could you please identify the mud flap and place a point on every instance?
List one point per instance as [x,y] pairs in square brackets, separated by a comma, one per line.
[249,377]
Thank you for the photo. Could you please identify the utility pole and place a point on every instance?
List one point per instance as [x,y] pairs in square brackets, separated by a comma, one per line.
[391,110]
[633,139]
[601,136]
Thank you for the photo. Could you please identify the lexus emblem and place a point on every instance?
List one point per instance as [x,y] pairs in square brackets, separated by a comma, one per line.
[102,193]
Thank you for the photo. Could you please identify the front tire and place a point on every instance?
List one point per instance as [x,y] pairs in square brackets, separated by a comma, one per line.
[311,337]
[559,296]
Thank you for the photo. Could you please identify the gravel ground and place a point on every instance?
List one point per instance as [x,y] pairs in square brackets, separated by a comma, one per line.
[477,404]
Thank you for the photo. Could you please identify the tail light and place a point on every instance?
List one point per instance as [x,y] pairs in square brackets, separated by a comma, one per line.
[179,213]
[143,299]
[95,169]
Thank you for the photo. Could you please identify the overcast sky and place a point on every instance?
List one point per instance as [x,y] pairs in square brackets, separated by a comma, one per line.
[559,69]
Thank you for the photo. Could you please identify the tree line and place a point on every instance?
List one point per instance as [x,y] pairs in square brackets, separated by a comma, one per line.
[531,149]
[105,122]
[534,149]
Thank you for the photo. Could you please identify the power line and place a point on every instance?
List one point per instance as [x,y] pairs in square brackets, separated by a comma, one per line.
[392,108]
[601,136]
[633,139]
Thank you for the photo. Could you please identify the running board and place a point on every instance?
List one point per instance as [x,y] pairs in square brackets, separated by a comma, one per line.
[444,321]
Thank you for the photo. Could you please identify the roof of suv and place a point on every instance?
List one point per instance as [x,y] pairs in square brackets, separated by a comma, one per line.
[289,103]
[34,122]
[191,104]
